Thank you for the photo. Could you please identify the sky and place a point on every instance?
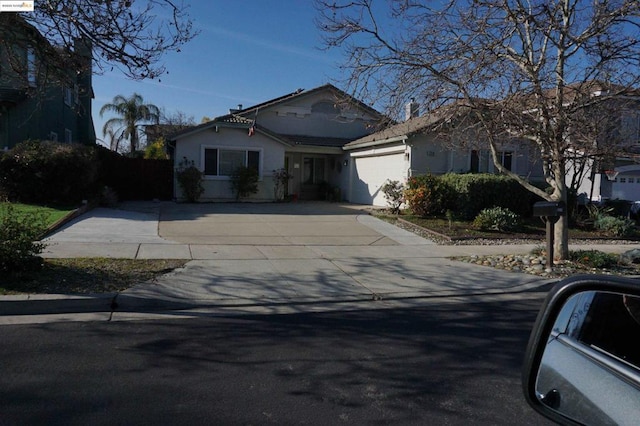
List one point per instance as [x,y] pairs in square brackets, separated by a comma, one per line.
[247,52]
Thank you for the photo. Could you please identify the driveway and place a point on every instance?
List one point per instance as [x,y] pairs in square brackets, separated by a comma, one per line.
[278,257]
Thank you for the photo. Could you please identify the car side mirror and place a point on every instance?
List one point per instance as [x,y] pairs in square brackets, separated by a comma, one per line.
[582,365]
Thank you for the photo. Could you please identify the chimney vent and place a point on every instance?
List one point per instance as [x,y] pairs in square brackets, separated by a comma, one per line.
[411,110]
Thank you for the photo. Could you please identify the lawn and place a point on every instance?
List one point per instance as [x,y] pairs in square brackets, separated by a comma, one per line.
[50,214]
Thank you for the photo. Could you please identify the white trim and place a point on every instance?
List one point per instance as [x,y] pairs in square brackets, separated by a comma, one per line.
[401,138]
[379,151]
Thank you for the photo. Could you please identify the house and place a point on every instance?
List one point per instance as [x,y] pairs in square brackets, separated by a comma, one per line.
[614,171]
[302,132]
[42,98]
[415,147]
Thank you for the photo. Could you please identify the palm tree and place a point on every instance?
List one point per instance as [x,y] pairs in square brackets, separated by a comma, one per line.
[131,113]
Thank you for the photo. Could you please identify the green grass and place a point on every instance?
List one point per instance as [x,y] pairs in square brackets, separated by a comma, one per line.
[50,214]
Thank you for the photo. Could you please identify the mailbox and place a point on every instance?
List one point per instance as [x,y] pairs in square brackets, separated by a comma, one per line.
[549,209]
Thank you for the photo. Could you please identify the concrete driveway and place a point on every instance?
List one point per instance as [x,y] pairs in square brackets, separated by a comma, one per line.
[278,257]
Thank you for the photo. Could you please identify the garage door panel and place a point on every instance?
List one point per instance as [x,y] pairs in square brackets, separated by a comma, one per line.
[371,173]
[626,188]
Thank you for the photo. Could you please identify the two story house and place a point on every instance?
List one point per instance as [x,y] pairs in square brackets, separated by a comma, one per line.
[35,103]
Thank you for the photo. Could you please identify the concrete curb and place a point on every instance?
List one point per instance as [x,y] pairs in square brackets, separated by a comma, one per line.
[25,305]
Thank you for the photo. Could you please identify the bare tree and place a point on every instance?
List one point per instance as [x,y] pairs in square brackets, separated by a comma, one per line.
[125,34]
[521,70]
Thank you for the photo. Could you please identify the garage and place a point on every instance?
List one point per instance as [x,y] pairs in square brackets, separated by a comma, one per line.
[370,172]
[626,186]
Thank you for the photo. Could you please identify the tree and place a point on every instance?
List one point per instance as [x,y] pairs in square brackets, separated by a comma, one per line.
[532,71]
[126,34]
[132,112]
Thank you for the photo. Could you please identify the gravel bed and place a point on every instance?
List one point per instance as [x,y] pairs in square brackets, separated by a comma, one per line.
[534,264]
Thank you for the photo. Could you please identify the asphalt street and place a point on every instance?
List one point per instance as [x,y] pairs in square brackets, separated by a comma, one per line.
[453,362]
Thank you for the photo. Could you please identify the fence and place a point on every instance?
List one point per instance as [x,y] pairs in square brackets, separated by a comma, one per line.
[136,178]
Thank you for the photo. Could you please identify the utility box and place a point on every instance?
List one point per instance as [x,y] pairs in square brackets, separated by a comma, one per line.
[549,209]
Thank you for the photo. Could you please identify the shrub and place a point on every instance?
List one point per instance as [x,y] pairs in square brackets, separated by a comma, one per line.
[19,234]
[44,172]
[244,182]
[475,192]
[393,191]
[190,180]
[594,258]
[497,219]
[428,195]
[281,179]
[156,150]
[615,226]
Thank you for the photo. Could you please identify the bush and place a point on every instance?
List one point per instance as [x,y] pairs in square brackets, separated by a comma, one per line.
[190,180]
[497,219]
[19,234]
[43,172]
[244,182]
[594,258]
[615,226]
[428,195]
[393,191]
[475,192]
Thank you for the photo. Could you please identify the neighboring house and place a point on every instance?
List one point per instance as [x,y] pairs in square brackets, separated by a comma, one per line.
[615,173]
[302,132]
[32,104]
[413,147]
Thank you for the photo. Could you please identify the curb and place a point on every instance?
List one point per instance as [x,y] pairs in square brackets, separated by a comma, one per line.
[55,304]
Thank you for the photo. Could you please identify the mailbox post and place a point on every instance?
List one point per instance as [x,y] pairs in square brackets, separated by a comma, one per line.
[551,211]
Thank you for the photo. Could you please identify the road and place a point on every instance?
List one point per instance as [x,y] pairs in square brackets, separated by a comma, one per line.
[443,361]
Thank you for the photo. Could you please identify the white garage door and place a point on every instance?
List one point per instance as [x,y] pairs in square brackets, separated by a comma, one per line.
[626,187]
[370,173]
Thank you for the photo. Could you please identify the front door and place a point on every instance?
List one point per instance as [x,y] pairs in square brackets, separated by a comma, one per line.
[313,178]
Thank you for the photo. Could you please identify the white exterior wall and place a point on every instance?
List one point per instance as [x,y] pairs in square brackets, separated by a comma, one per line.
[219,187]
[310,116]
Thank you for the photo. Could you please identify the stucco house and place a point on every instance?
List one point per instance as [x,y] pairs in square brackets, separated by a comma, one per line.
[302,132]
[413,147]
[615,173]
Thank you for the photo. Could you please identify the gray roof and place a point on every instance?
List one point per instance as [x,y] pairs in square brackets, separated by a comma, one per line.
[397,131]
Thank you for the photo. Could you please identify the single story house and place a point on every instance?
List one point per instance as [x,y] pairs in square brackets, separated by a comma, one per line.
[413,147]
[302,132]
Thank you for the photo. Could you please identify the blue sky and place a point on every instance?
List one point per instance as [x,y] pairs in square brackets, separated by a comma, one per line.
[248,51]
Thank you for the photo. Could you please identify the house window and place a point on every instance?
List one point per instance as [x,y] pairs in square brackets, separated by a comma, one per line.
[506,158]
[31,66]
[479,161]
[68,136]
[223,162]
[630,124]
[53,136]
[68,96]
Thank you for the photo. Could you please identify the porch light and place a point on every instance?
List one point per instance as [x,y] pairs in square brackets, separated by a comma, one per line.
[345,163]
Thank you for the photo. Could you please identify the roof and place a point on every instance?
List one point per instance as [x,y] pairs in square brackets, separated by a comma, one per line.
[421,124]
[244,118]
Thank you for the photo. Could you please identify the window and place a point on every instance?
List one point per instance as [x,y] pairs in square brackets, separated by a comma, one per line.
[68,96]
[610,326]
[506,159]
[479,161]
[223,162]
[313,171]
[68,136]
[31,66]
